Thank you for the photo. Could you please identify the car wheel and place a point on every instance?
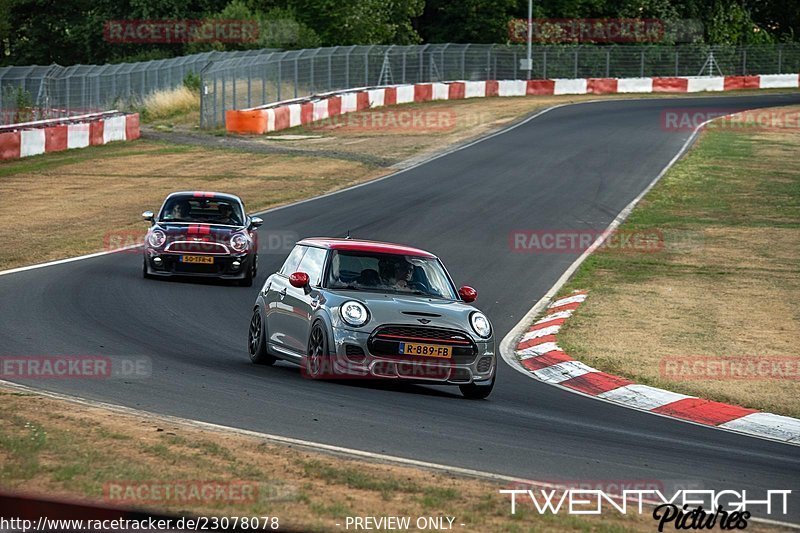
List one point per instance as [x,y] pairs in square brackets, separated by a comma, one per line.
[257,341]
[477,392]
[247,280]
[145,275]
[317,359]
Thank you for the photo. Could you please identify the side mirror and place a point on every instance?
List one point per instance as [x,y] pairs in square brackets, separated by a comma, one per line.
[148,215]
[299,280]
[468,294]
[256,222]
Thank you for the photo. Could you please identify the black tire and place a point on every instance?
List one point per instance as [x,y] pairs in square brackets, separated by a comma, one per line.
[317,359]
[145,275]
[257,343]
[247,280]
[477,392]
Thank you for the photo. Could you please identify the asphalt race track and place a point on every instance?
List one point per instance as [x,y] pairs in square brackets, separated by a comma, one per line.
[574,167]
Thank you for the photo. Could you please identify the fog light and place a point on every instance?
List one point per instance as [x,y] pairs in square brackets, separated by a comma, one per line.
[157,261]
[236,264]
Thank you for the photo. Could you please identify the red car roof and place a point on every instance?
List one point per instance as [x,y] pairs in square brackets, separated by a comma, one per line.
[356,245]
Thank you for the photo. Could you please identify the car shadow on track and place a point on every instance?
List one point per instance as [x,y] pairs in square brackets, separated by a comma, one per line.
[290,371]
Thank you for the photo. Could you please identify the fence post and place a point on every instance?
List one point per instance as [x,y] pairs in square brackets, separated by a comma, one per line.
[464,63]
[608,63]
[280,77]
[223,99]
[296,73]
[330,68]
[249,88]
[404,66]
[575,70]
[544,63]
[677,55]
[515,64]
[744,61]
[780,60]
[641,69]
[366,66]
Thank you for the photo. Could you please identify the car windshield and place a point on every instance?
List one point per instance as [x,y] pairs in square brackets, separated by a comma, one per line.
[404,274]
[202,211]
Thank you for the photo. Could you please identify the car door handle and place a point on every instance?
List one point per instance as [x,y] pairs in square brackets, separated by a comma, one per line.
[282,293]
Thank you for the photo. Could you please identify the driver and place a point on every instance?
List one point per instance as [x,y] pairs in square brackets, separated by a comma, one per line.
[180,210]
[404,271]
[226,215]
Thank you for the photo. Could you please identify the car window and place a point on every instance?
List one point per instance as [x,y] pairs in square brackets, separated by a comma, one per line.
[313,263]
[191,209]
[291,263]
[389,273]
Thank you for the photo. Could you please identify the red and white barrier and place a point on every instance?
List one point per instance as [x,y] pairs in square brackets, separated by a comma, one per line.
[34,138]
[282,115]
[538,351]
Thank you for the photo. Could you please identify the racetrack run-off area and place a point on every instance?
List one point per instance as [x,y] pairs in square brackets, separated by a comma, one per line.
[574,167]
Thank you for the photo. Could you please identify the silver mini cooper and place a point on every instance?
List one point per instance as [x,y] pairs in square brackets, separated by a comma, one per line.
[355,309]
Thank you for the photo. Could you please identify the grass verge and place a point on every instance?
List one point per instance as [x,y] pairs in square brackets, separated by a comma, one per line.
[48,446]
[722,289]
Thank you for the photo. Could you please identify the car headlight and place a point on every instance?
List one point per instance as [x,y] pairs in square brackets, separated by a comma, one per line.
[480,324]
[239,242]
[156,238]
[354,313]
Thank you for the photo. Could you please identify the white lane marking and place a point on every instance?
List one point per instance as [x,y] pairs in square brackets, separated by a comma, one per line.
[509,342]
[326,448]
[642,396]
[568,300]
[539,349]
[563,371]
[554,316]
[332,193]
[541,332]
[767,425]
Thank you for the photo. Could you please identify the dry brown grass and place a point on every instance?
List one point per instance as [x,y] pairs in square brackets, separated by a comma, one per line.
[732,293]
[79,201]
[51,447]
[171,102]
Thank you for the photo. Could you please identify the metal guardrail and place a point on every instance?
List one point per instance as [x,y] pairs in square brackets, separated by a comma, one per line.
[245,79]
[240,83]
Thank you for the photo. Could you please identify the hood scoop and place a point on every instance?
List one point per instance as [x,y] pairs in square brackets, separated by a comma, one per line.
[420,313]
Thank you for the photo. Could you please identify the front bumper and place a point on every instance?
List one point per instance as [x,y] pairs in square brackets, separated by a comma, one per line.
[351,357]
[229,266]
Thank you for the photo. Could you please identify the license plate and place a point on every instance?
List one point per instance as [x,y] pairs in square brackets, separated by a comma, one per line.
[204,259]
[426,350]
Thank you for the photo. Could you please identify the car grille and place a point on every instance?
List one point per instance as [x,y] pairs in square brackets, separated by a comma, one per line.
[196,247]
[385,342]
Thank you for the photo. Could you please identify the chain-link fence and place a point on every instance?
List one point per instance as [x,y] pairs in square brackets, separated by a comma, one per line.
[238,80]
[41,92]
[240,83]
